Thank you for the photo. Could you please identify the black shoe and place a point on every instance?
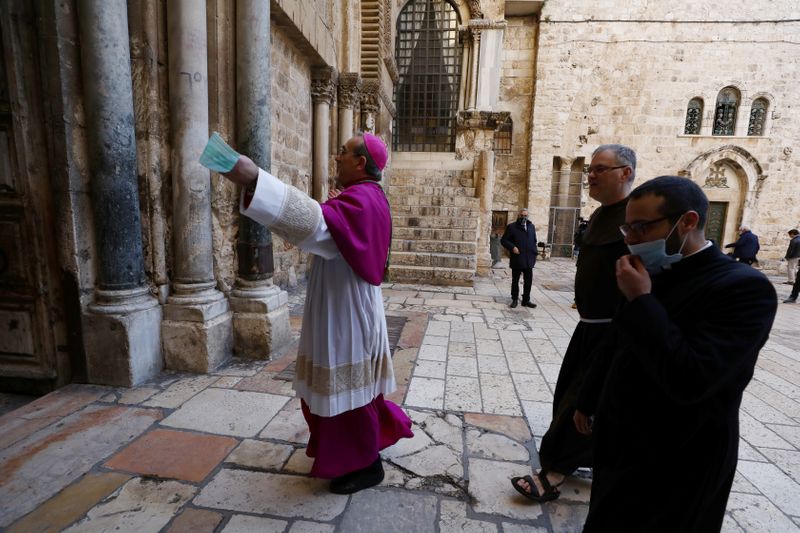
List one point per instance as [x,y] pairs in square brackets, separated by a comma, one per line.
[529,304]
[790,300]
[788,282]
[358,480]
[513,303]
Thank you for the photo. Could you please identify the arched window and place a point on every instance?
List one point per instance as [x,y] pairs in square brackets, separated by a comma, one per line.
[758,117]
[725,114]
[429,63]
[694,117]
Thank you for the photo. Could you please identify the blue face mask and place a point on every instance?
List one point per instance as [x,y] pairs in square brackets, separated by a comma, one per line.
[654,253]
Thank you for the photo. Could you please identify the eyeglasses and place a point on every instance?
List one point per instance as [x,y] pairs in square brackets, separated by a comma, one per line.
[600,169]
[638,227]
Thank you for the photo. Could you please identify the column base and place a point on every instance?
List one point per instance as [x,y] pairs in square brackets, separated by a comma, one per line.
[198,337]
[122,342]
[484,267]
[260,321]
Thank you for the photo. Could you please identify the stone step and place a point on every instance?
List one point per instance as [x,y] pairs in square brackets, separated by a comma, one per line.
[436,260]
[428,234]
[433,200]
[403,221]
[435,211]
[402,191]
[456,178]
[433,276]
[433,246]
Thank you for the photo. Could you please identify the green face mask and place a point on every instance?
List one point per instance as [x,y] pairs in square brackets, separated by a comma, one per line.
[218,156]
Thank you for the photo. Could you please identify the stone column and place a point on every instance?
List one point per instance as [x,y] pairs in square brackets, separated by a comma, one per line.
[475,33]
[485,181]
[564,175]
[370,104]
[323,90]
[121,326]
[197,331]
[260,309]
[349,94]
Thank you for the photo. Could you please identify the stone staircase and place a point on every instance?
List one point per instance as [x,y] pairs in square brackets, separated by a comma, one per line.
[435,221]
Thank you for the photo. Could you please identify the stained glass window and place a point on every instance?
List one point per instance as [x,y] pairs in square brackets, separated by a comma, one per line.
[725,114]
[758,117]
[694,117]
[429,63]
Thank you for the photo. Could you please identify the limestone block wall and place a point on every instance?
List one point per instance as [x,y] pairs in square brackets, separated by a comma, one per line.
[625,72]
[516,96]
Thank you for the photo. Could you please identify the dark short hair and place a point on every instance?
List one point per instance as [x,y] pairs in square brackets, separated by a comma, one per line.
[623,155]
[794,232]
[680,195]
[370,168]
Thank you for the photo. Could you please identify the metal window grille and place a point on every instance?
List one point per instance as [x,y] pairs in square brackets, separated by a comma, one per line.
[758,116]
[694,117]
[429,62]
[502,137]
[725,115]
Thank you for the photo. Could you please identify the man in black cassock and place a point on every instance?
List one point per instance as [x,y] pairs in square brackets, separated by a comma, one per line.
[682,349]
[563,449]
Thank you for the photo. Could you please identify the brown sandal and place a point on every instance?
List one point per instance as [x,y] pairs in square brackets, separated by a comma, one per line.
[551,492]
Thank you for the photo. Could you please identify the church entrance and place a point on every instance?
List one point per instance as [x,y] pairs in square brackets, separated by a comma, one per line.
[715,224]
[32,318]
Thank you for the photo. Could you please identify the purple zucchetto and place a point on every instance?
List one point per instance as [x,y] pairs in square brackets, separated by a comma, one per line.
[377,149]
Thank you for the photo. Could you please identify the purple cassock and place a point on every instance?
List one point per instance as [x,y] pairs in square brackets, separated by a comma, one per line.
[359,221]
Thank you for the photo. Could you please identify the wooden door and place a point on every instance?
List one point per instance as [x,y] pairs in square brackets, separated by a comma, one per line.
[715,222]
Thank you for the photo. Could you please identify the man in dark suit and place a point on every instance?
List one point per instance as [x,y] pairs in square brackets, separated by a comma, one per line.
[520,240]
[666,385]
[746,247]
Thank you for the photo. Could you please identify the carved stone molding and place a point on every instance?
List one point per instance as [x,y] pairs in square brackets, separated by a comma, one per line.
[475,9]
[481,120]
[482,24]
[349,89]
[370,96]
[323,84]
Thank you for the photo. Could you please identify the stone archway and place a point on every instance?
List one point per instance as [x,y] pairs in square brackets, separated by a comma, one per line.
[731,178]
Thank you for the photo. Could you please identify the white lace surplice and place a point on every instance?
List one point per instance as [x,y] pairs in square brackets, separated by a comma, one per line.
[343,358]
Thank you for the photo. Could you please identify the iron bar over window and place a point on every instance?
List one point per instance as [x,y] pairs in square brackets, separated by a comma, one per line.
[502,137]
[758,116]
[429,60]
[694,117]
[725,115]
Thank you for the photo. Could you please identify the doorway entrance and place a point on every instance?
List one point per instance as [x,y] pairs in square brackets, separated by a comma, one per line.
[715,222]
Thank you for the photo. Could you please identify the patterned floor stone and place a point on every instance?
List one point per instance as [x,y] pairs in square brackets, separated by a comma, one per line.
[417,443]
[389,511]
[195,521]
[139,505]
[167,453]
[462,394]
[510,426]
[227,412]
[430,369]
[273,494]
[260,454]
[426,392]
[498,447]
[39,466]
[288,425]
[437,460]
[70,504]
[248,524]
[136,396]
[180,391]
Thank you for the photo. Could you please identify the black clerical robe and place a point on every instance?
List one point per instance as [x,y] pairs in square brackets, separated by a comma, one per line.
[666,423]
[563,449]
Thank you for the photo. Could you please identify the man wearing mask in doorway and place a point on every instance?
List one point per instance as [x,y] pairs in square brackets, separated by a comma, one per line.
[666,384]
[520,240]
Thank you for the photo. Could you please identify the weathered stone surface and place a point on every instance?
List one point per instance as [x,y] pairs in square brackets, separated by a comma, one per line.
[37,467]
[489,485]
[166,453]
[70,504]
[492,446]
[302,526]
[426,392]
[774,484]
[227,412]
[195,521]
[511,426]
[274,494]
[299,462]
[136,395]
[453,519]
[247,524]
[433,461]
[180,391]
[139,505]
[410,512]
[519,528]
[757,513]
[288,425]
[444,430]
[403,447]
[260,454]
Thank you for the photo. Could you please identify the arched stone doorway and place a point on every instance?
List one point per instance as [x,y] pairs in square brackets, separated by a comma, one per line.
[731,177]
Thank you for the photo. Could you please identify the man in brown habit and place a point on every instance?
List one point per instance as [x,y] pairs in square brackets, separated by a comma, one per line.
[597,297]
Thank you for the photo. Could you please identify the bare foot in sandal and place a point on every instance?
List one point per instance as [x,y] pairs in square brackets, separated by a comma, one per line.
[539,488]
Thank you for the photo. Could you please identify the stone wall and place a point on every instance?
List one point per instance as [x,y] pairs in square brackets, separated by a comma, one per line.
[516,96]
[610,72]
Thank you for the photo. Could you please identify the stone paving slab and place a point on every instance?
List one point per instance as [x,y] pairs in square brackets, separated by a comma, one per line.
[195,521]
[390,511]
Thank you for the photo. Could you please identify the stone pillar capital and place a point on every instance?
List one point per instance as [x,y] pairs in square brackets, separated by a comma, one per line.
[323,85]
[349,89]
[370,96]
